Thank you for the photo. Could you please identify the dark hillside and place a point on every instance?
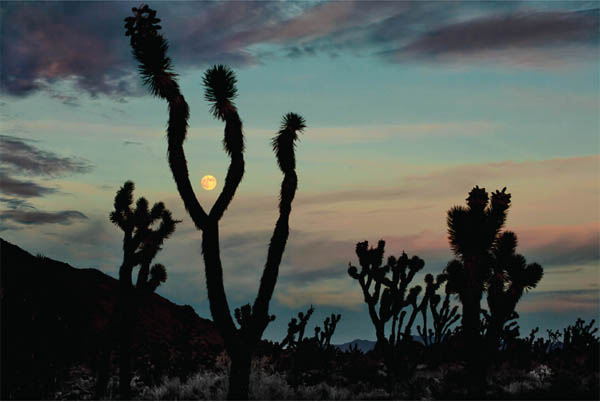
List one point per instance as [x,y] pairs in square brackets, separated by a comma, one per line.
[54,316]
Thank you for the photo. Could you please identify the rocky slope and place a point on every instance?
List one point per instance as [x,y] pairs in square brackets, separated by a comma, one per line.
[54,316]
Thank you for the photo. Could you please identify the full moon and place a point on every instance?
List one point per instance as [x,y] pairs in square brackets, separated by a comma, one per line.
[208,182]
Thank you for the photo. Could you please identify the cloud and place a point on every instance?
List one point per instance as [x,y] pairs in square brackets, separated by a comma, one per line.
[574,302]
[46,42]
[84,43]
[23,188]
[509,36]
[41,217]
[560,245]
[15,203]
[132,143]
[19,155]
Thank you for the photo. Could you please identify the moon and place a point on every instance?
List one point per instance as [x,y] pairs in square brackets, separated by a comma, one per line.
[208,182]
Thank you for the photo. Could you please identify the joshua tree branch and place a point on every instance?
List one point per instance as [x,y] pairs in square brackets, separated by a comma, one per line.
[219,307]
[176,131]
[276,248]
[233,128]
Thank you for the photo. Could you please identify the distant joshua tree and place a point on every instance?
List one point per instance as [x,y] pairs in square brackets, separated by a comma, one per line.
[150,49]
[141,243]
[297,327]
[443,318]
[323,337]
[389,293]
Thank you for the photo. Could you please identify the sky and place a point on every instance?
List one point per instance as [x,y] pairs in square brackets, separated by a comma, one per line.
[408,106]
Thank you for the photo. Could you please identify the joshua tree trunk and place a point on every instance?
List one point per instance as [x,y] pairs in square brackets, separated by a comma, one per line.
[494,333]
[143,275]
[471,324]
[219,307]
[125,342]
[239,375]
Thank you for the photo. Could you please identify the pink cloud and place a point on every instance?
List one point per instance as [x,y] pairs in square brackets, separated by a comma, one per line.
[562,303]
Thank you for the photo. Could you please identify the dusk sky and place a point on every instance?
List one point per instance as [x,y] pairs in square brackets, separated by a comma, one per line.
[408,106]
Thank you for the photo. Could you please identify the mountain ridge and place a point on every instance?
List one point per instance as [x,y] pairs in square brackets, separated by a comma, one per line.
[74,308]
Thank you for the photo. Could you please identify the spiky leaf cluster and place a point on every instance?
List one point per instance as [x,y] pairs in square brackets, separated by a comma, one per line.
[512,268]
[473,232]
[150,50]
[510,276]
[220,90]
[158,275]
[284,143]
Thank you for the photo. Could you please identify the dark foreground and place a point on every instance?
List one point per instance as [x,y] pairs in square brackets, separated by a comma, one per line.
[56,328]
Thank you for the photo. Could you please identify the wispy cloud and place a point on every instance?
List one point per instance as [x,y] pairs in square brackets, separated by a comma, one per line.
[20,155]
[22,188]
[41,218]
[574,302]
[516,34]
[84,42]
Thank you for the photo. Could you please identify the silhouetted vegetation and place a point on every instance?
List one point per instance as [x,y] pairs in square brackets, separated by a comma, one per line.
[297,327]
[61,325]
[561,365]
[392,299]
[390,293]
[487,261]
[473,231]
[150,49]
[323,336]
[141,243]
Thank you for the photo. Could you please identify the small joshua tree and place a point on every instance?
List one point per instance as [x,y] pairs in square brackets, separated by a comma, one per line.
[389,293]
[442,319]
[297,327]
[511,275]
[150,49]
[141,242]
[323,337]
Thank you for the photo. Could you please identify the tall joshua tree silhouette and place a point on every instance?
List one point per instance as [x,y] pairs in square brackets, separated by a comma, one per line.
[150,49]
[473,232]
[141,242]
[510,276]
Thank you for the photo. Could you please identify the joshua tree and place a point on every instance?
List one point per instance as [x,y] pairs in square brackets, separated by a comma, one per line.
[324,336]
[141,243]
[473,231]
[150,49]
[297,327]
[444,317]
[511,275]
[393,299]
